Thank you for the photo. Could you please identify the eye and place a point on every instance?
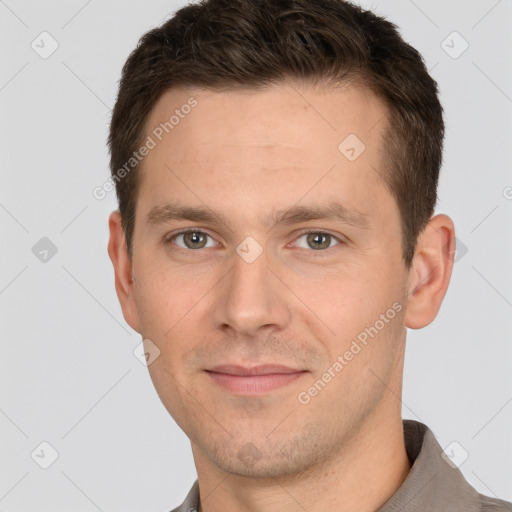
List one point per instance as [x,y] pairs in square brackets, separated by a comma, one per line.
[317,240]
[194,239]
[191,239]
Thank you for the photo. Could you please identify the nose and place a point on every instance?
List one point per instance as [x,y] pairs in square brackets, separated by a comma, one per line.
[251,299]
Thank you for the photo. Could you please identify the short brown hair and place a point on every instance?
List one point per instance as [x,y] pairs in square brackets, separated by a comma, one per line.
[223,44]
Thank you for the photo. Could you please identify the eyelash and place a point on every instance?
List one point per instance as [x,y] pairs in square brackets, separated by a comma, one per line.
[316,253]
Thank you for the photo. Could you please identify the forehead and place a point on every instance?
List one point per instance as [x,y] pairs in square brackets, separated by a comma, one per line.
[276,119]
[266,144]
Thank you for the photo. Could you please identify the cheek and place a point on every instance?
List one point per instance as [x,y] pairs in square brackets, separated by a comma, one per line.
[348,300]
[164,296]
[364,315]
[173,308]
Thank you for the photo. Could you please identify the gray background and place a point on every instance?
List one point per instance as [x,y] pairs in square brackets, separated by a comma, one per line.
[68,375]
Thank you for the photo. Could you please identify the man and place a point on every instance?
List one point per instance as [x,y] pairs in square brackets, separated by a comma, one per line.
[276,165]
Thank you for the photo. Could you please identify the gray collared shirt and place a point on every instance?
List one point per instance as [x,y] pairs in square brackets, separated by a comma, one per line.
[432,484]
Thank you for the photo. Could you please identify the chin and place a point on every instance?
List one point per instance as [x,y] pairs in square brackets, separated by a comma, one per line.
[262,459]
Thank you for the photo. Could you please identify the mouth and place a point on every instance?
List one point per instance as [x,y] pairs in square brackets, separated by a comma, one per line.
[255,380]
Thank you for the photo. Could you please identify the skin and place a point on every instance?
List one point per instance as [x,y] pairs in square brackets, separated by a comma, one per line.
[244,155]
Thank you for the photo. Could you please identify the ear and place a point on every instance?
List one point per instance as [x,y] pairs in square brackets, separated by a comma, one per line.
[118,252]
[430,271]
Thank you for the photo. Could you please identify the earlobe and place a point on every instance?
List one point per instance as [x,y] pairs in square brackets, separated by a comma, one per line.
[123,270]
[430,272]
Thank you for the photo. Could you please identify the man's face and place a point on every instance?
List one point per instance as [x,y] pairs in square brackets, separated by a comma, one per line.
[252,286]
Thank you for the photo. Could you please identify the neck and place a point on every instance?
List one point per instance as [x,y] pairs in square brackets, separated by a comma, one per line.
[359,478]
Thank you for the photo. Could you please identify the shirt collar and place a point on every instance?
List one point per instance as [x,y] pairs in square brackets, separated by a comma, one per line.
[433,483]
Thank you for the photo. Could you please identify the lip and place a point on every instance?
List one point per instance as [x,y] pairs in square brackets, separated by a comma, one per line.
[255,380]
[262,369]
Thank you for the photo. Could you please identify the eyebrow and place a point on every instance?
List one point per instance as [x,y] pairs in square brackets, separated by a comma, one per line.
[172,211]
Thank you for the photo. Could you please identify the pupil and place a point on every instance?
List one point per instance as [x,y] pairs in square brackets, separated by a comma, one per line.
[319,240]
[194,238]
